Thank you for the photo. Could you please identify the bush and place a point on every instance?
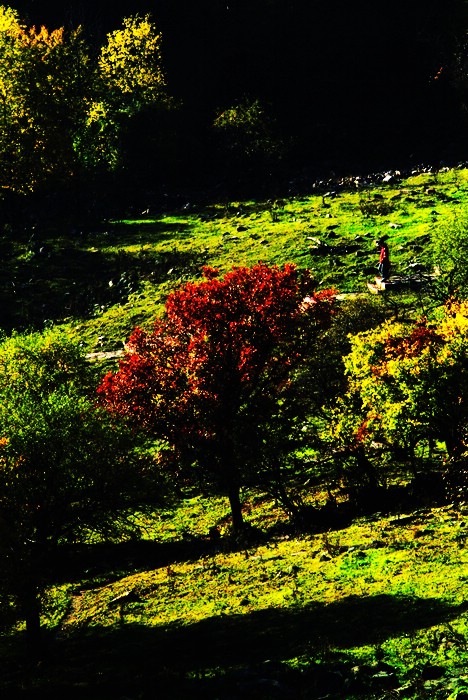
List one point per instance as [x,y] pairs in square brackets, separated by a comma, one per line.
[64,466]
[407,393]
[449,252]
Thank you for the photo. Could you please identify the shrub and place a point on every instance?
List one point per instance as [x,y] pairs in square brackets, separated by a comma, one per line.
[64,466]
[449,252]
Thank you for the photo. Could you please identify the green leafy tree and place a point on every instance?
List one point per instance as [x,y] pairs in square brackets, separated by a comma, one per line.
[246,134]
[449,250]
[65,468]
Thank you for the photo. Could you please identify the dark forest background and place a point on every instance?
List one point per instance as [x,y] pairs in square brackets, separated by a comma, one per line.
[347,86]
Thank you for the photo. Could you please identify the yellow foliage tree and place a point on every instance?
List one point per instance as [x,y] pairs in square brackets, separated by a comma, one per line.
[60,111]
[43,75]
[129,79]
[130,63]
[407,390]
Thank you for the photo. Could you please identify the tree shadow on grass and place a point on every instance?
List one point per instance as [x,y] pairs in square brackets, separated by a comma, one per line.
[123,232]
[56,283]
[231,657]
[109,561]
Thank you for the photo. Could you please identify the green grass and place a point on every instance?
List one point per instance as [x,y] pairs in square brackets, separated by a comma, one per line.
[118,275]
[334,237]
[374,610]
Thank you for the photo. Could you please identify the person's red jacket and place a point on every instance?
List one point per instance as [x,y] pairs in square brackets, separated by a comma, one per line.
[384,253]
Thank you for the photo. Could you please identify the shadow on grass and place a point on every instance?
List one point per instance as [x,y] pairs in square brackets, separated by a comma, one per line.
[140,231]
[230,657]
[108,561]
[54,284]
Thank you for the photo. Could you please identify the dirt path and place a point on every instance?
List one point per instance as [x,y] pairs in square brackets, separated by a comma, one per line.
[103,355]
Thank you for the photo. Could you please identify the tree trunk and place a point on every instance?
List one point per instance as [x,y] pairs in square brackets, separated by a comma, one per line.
[236,507]
[31,612]
[293,510]
[230,477]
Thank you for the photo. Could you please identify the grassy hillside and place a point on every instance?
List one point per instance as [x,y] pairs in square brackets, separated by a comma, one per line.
[373,608]
[332,233]
[107,278]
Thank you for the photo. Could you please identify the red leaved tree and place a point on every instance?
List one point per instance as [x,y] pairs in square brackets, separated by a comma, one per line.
[209,376]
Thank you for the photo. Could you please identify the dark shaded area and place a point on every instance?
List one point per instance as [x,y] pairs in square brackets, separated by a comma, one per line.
[110,561]
[347,86]
[56,278]
[229,657]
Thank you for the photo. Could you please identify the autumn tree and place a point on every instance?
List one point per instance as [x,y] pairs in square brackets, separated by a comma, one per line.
[130,63]
[65,468]
[407,391]
[62,109]
[129,79]
[213,375]
[44,80]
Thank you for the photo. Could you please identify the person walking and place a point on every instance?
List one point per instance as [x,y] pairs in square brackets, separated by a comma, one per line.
[384,260]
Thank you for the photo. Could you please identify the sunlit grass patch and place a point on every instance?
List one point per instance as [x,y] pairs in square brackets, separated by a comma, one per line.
[383,590]
[118,274]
